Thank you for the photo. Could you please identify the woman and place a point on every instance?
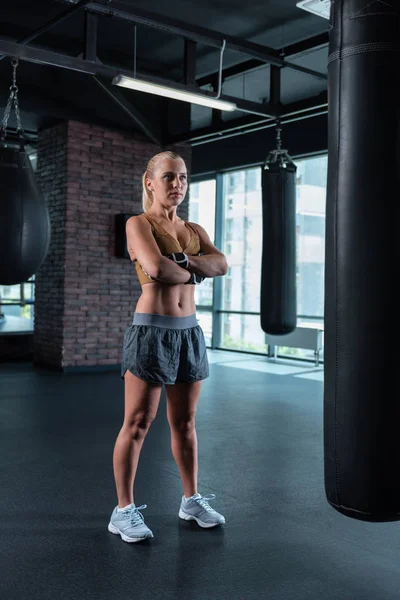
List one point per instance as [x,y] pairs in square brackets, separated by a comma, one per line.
[165,345]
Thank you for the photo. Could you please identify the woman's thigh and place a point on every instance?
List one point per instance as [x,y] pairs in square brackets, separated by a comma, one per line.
[141,399]
[182,401]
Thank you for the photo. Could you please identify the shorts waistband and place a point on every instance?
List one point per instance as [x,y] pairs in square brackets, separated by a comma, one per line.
[165,321]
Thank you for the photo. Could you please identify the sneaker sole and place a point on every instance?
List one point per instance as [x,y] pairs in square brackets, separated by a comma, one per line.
[186,517]
[113,529]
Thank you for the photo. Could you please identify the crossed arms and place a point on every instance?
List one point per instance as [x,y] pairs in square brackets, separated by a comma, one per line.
[142,245]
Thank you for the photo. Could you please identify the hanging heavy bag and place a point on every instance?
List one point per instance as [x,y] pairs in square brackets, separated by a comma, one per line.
[361,412]
[278,296]
[24,217]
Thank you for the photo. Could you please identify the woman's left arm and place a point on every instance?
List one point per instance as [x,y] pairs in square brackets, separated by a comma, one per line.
[213,263]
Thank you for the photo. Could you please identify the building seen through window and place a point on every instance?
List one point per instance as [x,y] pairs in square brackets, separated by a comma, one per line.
[241,241]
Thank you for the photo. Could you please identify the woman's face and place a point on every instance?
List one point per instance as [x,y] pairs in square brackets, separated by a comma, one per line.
[169,185]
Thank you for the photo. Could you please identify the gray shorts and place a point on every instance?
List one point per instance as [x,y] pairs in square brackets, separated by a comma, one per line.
[163,349]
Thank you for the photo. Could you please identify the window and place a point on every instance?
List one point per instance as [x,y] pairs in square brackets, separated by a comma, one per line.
[235,182]
[243,332]
[17,301]
[205,319]
[242,244]
[241,241]
[310,215]
[202,211]
[310,233]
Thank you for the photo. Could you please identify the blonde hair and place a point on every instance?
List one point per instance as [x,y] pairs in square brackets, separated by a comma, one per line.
[147,198]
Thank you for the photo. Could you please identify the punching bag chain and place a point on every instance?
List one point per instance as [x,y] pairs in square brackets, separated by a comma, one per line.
[278,135]
[279,157]
[12,101]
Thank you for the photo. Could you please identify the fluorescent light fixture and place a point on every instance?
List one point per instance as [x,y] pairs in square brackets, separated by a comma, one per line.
[168,92]
[321,8]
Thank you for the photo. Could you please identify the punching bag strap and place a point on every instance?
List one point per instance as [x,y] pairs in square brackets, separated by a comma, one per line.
[279,158]
[12,103]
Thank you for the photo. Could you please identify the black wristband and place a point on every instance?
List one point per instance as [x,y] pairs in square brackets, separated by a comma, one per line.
[190,280]
[180,258]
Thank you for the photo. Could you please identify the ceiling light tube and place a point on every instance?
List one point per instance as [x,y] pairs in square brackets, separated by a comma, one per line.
[168,92]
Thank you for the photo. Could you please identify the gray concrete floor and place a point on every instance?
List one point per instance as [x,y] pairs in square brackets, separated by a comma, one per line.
[260,434]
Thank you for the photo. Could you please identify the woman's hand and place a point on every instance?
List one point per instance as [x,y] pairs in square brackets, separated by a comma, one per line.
[183,260]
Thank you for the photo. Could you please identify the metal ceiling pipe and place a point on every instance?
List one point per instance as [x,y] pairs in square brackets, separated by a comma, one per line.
[257,126]
[301,109]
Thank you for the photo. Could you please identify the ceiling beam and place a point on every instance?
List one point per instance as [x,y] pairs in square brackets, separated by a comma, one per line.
[67,13]
[275,86]
[312,43]
[190,63]
[64,61]
[76,47]
[47,102]
[202,35]
[91,34]
[137,117]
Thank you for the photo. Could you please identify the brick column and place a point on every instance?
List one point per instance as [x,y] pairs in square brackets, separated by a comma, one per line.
[85,296]
[51,174]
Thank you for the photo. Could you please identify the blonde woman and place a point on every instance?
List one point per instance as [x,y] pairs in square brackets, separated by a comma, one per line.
[164,345]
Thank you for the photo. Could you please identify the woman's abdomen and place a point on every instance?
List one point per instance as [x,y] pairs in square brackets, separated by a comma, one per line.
[161,299]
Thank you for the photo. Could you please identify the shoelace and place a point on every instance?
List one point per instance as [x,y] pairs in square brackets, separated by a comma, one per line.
[204,502]
[135,517]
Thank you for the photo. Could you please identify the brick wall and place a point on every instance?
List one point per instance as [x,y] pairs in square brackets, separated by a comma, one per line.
[51,177]
[85,295]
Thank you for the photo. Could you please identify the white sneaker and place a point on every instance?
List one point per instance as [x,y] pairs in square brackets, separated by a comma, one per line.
[129,524]
[197,509]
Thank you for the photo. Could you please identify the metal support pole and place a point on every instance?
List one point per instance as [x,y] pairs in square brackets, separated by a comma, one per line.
[190,63]
[275,87]
[91,26]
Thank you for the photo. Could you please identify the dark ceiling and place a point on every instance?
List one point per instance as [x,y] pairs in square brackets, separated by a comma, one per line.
[179,41]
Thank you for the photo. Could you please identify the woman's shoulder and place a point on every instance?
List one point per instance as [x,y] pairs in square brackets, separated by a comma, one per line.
[139,220]
[140,217]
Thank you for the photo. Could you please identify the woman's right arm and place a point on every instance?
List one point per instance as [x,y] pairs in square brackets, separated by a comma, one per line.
[142,245]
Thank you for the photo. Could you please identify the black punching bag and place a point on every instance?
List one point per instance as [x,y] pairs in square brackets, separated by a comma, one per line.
[278,298]
[24,218]
[361,402]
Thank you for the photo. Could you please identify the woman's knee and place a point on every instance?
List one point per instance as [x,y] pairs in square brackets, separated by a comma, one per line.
[183,426]
[138,425]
